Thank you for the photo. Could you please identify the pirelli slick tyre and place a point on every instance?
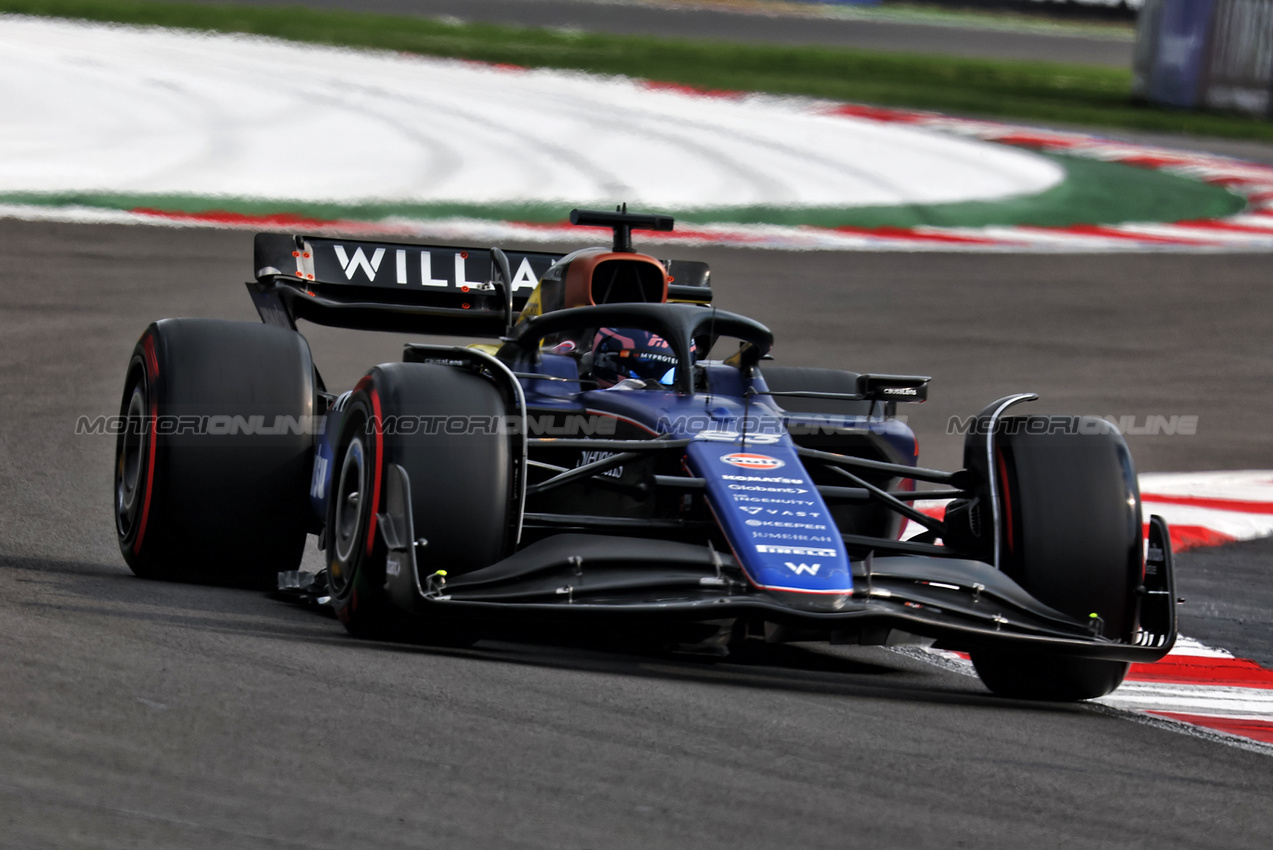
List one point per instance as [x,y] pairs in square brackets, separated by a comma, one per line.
[809,379]
[434,421]
[213,463]
[1072,537]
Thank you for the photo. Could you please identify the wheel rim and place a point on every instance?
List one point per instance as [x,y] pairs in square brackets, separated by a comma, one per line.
[349,505]
[128,468]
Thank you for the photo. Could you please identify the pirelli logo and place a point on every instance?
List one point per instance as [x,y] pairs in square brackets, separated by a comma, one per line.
[804,551]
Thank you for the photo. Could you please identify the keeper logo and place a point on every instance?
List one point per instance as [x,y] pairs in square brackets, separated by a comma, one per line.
[745,460]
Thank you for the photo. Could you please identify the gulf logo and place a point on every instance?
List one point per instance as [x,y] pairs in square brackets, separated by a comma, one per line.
[744,460]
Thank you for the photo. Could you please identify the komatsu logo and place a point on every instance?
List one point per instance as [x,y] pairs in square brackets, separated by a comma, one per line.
[744,460]
[803,569]
[767,479]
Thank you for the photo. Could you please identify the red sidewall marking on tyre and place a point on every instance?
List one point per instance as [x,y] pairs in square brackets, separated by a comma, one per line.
[152,365]
[150,478]
[378,427]
[1007,500]
[151,359]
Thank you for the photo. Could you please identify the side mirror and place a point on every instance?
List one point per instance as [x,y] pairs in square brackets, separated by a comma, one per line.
[893,387]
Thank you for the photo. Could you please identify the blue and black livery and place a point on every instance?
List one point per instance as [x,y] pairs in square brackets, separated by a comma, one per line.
[468,488]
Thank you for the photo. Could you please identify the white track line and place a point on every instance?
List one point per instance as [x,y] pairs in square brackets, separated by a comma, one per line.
[144,111]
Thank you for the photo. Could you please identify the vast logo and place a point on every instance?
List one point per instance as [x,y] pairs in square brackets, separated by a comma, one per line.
[745,460]
[803,569]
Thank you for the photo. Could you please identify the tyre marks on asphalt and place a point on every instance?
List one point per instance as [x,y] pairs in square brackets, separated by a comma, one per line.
[381,126]
[416,129]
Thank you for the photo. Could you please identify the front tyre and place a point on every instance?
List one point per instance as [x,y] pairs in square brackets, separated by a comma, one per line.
[1072,537]
[442,425]
[1043,676]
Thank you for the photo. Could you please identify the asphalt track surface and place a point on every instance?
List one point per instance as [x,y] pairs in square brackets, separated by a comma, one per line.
[724,25]
[138,714]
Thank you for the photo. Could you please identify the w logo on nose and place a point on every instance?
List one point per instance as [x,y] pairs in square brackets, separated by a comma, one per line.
[802,569]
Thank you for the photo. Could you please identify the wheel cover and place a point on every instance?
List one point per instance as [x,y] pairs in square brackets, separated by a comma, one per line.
[349,506]
[129,464]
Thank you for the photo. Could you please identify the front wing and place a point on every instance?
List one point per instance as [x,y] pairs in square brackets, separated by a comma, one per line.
[599,580]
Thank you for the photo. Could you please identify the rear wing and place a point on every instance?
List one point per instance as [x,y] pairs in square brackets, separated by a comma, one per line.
[393,286]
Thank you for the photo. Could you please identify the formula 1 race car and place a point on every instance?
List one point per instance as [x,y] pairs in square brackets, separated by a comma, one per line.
[626,457]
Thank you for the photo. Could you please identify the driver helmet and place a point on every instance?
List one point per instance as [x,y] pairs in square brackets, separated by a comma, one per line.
[619,354]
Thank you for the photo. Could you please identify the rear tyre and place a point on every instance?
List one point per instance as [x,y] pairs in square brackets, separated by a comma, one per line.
[1072,537]
[438,423]
[204,492]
